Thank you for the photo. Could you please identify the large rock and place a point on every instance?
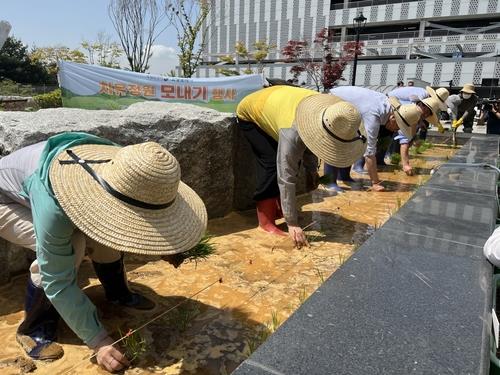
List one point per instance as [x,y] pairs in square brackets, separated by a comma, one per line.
[201,139]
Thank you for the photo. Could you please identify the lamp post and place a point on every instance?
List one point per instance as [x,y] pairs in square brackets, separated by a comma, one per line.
[358,24]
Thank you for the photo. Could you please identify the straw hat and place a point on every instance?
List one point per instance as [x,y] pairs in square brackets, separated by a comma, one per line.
[434,105]
[441,94]
[144,208]
[331,128]
[468,88]
[407,117]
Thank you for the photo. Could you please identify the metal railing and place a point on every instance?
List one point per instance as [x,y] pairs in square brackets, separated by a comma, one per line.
[367,3]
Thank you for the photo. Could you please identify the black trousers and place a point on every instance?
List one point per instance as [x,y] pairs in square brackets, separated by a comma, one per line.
[265,149]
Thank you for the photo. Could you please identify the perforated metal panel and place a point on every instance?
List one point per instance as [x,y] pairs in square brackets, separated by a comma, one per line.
[471,37]
[389,10]
[492,6]
[401,72]
[435,48]
[421,9]
[455,7]
[438,8]
[497,69]
[436,80]
[373,13]
[401,50]
[473,5]
[386,51]
[478,72]
[368,74]
[404,11]
[436,39]
[345,17]
[457,71]
[420,69]
[469,47]
[383,75]
[487,47]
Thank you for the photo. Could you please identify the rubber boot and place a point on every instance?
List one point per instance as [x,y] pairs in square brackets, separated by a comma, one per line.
[332,173]
[38,331]
[114,281]
[267,212]
[359,166]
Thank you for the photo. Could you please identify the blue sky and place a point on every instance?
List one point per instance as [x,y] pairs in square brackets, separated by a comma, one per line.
[68,22]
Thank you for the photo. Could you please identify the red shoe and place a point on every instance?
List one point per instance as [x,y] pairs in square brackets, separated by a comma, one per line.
[266,213]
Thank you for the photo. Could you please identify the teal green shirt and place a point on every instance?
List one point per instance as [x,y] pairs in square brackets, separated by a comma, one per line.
[55,255]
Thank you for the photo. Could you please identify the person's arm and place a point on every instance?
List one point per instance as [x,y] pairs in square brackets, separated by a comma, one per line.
[405,158]
[290,152]
[310,162]
[372,127]
[56,259]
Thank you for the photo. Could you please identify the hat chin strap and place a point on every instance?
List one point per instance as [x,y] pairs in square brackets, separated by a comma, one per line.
[360,136]
[104,184]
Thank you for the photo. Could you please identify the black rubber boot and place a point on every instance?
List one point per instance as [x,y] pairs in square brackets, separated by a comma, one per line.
[38,331]
[114,281]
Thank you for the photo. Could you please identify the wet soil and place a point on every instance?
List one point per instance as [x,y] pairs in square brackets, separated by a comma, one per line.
[264,281]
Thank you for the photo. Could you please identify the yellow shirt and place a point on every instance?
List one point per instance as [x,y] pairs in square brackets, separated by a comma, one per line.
[272,108]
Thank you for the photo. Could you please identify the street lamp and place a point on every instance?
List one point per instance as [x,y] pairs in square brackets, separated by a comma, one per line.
[358,24]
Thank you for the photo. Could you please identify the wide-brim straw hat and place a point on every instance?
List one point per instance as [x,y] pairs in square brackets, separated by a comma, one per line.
[434,106]
[148,209]
[407,117]
[441,94]
[331,128]
[468,88]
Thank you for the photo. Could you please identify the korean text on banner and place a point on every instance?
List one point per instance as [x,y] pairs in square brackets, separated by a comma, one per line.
[96,87]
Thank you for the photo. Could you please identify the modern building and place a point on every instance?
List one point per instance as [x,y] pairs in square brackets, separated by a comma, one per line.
[437,42]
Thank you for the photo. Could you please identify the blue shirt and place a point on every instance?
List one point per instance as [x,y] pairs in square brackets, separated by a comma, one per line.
[374,107]
[53,230]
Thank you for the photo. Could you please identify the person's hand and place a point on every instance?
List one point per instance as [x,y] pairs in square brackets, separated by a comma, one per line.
[297,235]
[377,186]
[110,358]
[440,128]
[408,170]
[312,181]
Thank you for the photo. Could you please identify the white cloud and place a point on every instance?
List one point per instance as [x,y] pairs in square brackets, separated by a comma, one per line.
[163,60]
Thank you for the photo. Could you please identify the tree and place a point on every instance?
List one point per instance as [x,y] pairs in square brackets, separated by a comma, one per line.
[318,60]
[102,51]
[261,51]
[188,17]
[17,65]
[138,24]
[49,56]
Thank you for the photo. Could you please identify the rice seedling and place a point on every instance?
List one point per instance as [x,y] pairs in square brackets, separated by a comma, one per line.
[320,275]
[398,203]
[256,340]
[342,258]
[395,158]
[134,345]
[302,294]
[275,321]
[200,252]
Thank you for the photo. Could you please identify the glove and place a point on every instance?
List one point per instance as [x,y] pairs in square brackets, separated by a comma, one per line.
[440,128]
[456,123]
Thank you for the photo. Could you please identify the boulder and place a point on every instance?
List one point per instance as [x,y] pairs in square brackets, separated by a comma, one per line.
[201,139]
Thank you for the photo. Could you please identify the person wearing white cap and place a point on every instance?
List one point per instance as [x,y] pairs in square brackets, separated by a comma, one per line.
[409,95]
[377,110]
[77,193]
[461,107]
[283,123]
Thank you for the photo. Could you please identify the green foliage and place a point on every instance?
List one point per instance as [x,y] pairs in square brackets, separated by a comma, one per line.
[201,251]
[103,51]
[395,158]
[18,66]
[49,100]
[134,345]
[49,56]
[9,87]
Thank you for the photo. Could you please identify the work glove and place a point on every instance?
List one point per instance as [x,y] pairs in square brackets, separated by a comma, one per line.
[456,123]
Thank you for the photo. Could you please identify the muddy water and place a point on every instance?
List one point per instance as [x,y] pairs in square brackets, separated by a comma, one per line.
[264,279]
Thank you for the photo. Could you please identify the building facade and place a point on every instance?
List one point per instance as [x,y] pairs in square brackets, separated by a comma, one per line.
[437,42]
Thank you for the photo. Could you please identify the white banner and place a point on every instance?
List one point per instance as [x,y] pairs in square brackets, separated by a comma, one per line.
[97,87]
